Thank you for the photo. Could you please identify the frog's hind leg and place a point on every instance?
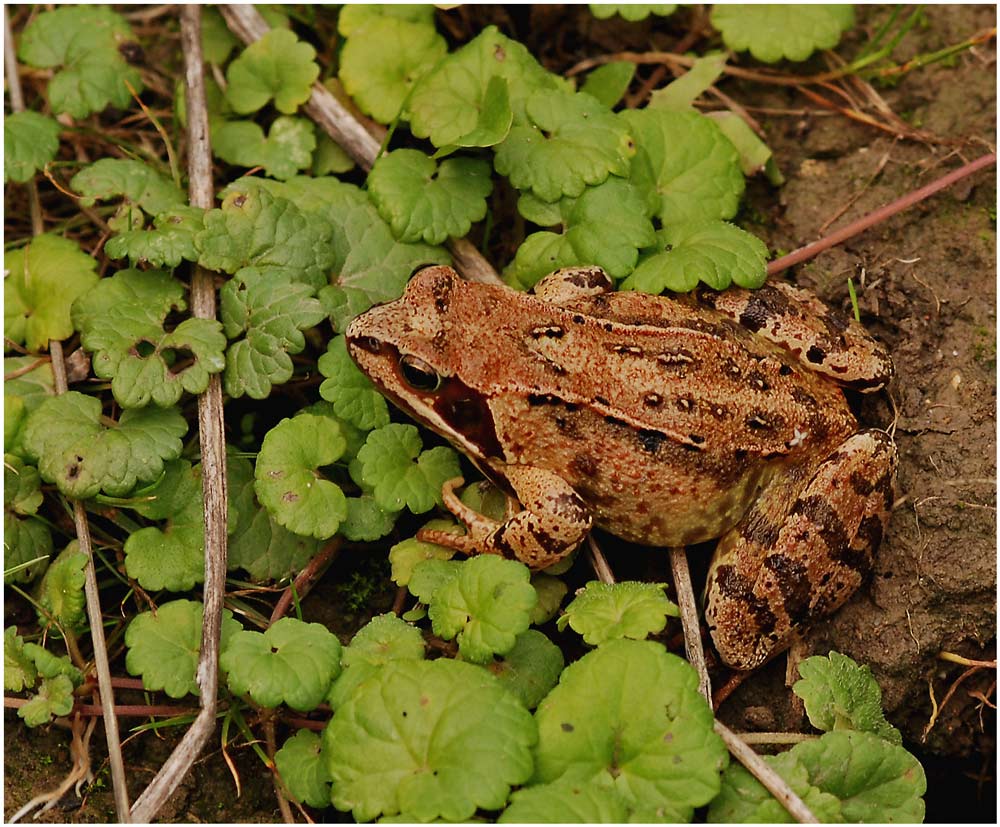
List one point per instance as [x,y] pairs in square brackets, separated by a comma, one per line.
[801,551]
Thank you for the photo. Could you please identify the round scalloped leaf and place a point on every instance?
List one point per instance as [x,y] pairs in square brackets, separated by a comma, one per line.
[60,594]
[714,252]
[531,668]
[485,607]
[82,456]
[32,384]
[286,150]
[279,66]
[633,12]
[366,520]
[565,803]
[27,542]
[49,665]
[400,474]
[551,591]
[138,183]
[30,141]
[169,242]
[607,611]
[19,670]
[432,739]
[292,663]
[431,574]
[163,646]
[288,483]
[42,280]
[352,393]
[422,200]
[572,141]
[407,554]
[697,169]
[302,767]
[54,698]
[609,82]
[772,31]
[598,726]
[383,60]
[353,18]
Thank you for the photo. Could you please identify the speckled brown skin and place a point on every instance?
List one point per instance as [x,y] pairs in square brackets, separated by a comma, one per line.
[674,420]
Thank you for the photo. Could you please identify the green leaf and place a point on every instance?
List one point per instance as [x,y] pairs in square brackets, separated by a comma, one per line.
[608,611]
[714,252]
[353,18]
[32,385]
[564,802]
[772,31]
[265,316]
[216,40]
[445,105]
[85,41]
[697,169]
[329,157]
[431,574]
[82,456]
[60,593]
[278,67]
[493,123]
[840,694]
[163,646]
[366,520]
[42,280]
[121,322]
[30,141]
[384,639]
[572,141]
[400,474]
[485,607]
[423,200]
[171,242]
[54,698]
[599,727]
[50,666]
[407,554]
[287,148]
[609,82]
[19,670]
[138,183]
[25,540]
[352,393]
[383,60]
[288,484]
[432,739]
[302,767]
[680,94]
[256,229]
[551,591]
[531,668]
[633,12]
[292,663]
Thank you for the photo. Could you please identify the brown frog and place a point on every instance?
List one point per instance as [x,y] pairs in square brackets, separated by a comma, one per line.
[665,421]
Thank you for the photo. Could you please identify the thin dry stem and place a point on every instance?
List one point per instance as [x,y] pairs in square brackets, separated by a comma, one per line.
[689,619]
[307,578]
[599,562]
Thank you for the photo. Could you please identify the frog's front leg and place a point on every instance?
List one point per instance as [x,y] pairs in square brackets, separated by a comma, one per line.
[553,521]
[800,552]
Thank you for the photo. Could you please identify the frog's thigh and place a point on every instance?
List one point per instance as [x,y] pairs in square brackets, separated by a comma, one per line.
[572,283]
[775,573]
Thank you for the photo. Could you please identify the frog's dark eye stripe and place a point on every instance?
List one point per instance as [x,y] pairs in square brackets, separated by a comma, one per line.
[418,374]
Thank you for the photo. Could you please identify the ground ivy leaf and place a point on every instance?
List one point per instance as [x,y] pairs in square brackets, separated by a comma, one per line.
[302,767]
[400,474]
[49,665]
[551,591]
[384,639]
[137,182]
[840,694]
[82,456]
[598,727]
[30,141]
[445,105]
[21,395]
[19,671]
[697,169]
[352,393]
[609,82]
[431,574]
[24,540]
[714,252]
[485,607]
[565,803]
[42,279]
[288,484]
[571,141]
[85,42]
[216,40]
[755,155]
[54,698]
[607,611]
[329,157]
[680,94]
[493,122]
[269,314]
[60,593]
[531,668]
[774,31]
[422,200]
[432,739]
[383,60]
[287,148]
[279,66]
[366,520]
[170,242]
[256,229]
[408,553]
[353,18]
[292,663]
[633,12]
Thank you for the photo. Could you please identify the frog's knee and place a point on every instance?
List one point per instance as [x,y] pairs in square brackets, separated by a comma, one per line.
[571,283]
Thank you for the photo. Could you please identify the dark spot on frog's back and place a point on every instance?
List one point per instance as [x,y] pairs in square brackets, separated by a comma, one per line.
[551,331]
[589,278]
[584,465]
[793,583]
[816,354]
[650,440]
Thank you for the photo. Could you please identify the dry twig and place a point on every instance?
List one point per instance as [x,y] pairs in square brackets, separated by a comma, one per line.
[689,619]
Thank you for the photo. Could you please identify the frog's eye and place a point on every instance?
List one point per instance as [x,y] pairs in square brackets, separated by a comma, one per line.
[418,374]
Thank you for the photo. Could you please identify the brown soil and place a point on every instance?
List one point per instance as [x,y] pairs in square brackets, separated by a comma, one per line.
[927,286]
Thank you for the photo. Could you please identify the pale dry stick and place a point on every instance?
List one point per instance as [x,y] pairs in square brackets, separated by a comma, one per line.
[212,443]
[17,105]
[689,619]
[775,737]
[774,783]
[248,25]
[599,562]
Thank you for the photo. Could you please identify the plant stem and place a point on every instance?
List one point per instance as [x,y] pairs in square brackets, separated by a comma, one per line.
[689,619]
[953,658]
[775,737]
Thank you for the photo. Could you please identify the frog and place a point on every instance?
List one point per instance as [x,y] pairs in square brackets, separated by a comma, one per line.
[667,421]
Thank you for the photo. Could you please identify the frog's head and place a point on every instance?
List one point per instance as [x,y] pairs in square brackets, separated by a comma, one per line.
[415,350]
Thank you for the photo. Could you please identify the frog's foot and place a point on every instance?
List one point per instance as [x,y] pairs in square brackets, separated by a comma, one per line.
[553,522]
[572,283]
[797,557]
